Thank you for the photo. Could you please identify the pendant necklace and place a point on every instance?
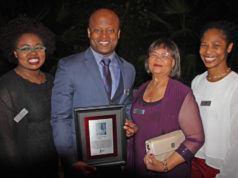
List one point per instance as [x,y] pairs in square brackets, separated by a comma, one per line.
[33,78]
[219,76]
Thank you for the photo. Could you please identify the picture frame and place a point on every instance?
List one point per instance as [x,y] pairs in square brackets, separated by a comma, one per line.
[100,137]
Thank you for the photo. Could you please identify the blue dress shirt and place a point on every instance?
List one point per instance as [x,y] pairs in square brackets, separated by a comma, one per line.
[114,69]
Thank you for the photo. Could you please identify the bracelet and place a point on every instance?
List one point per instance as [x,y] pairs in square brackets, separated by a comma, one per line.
[165,166]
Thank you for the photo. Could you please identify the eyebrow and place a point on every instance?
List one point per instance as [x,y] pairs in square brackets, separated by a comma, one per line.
[30,45]
[212,41]
[160,52]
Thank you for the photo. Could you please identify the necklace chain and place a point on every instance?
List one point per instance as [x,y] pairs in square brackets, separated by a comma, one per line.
[30,76]
[219,76]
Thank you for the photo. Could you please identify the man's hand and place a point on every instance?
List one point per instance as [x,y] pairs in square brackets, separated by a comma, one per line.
[81,168]
[130,128]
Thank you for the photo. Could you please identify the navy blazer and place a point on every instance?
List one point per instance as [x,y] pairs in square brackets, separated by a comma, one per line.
[78,83]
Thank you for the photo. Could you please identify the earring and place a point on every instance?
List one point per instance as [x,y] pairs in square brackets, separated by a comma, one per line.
[15,54]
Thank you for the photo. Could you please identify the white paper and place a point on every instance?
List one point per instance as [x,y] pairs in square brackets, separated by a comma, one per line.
[101,136]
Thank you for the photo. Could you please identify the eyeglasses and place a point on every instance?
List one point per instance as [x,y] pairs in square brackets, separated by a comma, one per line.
[160,55]
[27,50]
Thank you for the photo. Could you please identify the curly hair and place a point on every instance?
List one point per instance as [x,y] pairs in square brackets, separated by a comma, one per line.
[15,28]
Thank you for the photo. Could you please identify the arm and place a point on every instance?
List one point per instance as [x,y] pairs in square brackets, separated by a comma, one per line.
[128,104]
[129,126]
[62,119]
[61,114]
[129,99]
[8,147]
[191,125]
[230,164]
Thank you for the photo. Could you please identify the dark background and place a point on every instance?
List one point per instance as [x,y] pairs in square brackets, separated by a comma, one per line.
[142,22]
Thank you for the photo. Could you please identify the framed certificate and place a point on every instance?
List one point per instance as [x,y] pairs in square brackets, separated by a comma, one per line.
[100,137]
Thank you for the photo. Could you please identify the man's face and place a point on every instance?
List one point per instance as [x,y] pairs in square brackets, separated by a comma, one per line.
[104,32]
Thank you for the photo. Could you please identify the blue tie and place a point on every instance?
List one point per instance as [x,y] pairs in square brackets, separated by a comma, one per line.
[107,76]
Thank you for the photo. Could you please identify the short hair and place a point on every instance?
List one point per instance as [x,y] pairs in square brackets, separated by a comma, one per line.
[228,28]
[172,47]
[105,10]
[15,28]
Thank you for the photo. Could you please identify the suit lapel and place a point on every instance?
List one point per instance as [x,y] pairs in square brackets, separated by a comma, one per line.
[123,75]
[92,67]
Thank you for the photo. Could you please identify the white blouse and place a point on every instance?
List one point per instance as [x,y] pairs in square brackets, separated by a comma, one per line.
[218,105]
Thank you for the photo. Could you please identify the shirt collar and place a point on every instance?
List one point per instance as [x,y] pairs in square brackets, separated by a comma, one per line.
[99,57]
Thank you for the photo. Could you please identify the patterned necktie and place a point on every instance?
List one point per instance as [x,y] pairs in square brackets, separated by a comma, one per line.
[107,76]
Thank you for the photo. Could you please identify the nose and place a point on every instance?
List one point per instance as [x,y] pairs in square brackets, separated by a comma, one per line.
[32,51]
[209,49]
[160,58]
[205,51]
[104,33]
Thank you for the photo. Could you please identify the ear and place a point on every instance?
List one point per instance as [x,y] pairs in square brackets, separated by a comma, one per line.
[89,33]
[173,63]
[15,54]
[229,48]
[118,34]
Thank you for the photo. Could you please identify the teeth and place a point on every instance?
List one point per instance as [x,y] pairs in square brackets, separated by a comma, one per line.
[103,42]
[33,60]
[210,58]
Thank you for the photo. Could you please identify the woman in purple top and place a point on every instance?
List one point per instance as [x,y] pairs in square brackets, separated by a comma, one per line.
[163,105]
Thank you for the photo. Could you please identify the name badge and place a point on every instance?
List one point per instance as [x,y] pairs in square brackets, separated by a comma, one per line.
[20,115]
[205,103]
[139,111]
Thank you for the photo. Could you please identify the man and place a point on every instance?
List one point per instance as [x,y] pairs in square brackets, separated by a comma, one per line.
[79,82]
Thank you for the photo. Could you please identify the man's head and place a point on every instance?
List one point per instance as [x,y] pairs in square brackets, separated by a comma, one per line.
[104,31]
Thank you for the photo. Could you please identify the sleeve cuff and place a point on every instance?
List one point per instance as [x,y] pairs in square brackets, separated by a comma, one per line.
[184,152]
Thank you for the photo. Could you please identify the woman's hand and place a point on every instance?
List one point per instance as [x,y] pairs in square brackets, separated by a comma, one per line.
[130,128]
[152,164]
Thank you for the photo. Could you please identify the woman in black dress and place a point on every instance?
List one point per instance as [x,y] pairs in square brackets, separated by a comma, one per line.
[26,141]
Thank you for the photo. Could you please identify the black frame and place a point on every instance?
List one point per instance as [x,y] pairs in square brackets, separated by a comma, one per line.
[116,116]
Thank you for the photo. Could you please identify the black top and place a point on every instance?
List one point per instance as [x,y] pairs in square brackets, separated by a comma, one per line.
[26,147]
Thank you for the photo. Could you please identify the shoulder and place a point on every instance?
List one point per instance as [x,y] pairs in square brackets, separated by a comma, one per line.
[143,85]
[178,86]
[72,59]
[233,76]
[126,64]
[49,77]
[76,58]
[7,78]
[176,90]
[141,88]
[199,78]
[231,81]
[9,82]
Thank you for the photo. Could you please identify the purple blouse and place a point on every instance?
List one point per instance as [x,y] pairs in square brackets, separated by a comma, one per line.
[177,110]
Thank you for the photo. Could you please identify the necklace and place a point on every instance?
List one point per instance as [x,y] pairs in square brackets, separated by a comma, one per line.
[39,79]
[219,76]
